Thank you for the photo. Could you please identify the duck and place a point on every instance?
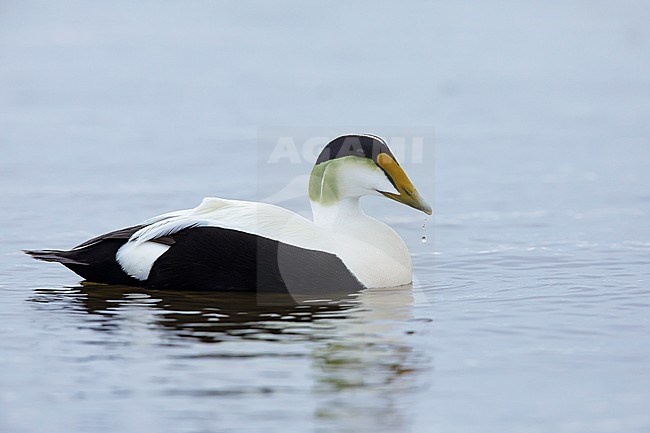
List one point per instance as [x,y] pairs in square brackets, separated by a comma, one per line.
[236,245]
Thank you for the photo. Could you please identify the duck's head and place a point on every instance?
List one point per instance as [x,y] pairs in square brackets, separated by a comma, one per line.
[357,165]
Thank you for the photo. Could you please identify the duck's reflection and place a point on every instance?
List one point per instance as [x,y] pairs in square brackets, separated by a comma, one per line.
[368,368]
[206,316]
[359,347]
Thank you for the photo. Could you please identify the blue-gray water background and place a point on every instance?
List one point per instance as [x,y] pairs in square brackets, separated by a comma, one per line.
[530,311]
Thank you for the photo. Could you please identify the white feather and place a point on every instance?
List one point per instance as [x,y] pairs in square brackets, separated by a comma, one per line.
[138,259]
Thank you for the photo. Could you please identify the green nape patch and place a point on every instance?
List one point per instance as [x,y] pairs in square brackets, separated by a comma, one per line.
[324,181]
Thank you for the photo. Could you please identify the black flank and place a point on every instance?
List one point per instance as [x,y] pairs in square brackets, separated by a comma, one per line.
[212,258]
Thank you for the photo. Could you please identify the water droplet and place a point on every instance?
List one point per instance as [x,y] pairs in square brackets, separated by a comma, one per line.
[424,227]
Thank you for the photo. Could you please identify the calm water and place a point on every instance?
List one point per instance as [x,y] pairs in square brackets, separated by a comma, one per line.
[531,301]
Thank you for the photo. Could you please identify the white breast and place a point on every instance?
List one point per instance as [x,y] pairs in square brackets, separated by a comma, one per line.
[375,254]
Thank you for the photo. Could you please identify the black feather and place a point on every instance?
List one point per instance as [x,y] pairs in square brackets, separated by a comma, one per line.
[94,259]
[363,146]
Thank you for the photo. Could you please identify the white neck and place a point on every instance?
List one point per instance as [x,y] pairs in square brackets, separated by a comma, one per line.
[339,215]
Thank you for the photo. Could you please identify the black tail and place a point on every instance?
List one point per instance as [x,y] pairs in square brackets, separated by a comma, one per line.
[57,256]
[95,259]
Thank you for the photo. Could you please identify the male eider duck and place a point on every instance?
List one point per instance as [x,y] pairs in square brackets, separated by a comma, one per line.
[248,246]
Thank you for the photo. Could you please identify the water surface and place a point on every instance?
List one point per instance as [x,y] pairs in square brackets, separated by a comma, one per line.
[529,309]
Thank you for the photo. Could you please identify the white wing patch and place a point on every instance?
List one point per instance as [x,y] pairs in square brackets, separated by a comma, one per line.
[138,259]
